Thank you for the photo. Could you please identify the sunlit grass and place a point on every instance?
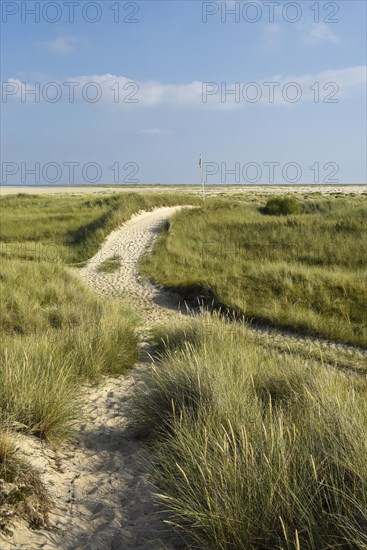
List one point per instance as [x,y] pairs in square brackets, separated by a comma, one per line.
[303,272]
[254,449]
[70,229]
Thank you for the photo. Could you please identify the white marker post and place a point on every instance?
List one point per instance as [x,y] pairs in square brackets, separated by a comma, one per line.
[202,178]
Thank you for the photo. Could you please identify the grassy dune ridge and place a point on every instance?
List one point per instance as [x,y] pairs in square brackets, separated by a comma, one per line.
[70,229]
[304,272]
[255,449]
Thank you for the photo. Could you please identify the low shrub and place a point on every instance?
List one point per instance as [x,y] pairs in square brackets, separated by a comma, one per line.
[281,206]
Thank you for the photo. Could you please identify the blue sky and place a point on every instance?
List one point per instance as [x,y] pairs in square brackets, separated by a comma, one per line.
[166,112]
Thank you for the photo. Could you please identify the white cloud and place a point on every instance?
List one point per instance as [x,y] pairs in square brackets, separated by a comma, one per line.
[271,36]
[192,95]
[320,32]
[62,44]
[121,93]
[154,132]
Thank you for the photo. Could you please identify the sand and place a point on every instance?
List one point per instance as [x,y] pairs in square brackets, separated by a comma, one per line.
[129,243]
[210,189]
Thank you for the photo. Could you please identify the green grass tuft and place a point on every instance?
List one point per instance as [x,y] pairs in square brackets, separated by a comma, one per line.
[110,265]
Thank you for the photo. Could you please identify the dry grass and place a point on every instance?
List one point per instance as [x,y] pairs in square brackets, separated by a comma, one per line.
[22,494]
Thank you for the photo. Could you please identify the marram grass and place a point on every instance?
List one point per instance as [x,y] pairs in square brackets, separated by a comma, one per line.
[255,449]
[306,273]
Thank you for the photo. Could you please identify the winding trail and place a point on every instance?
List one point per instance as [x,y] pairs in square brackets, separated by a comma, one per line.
[128,243]
[99,483]
[135,238]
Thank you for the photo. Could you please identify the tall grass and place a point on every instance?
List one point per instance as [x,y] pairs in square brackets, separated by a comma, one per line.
[39,393]
[303,272]
[56,334]
[255,449]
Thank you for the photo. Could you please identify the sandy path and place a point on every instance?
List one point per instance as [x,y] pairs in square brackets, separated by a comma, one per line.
[99,483]
[129,243]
